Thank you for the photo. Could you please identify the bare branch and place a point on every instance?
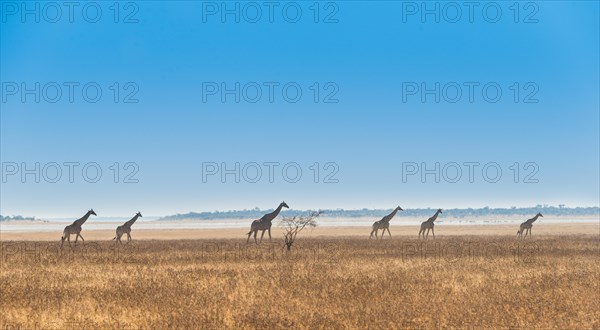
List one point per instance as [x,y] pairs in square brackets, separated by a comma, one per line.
[293,225]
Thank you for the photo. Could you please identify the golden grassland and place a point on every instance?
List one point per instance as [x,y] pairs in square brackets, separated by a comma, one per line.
[550,281]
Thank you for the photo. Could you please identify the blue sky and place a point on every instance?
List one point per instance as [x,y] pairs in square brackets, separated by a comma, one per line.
[367,56]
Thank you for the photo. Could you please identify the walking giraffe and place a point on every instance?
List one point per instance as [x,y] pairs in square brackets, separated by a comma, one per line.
[126,228]
[75,228]
[526,226]
[264,223]
[429,225]
[384,224]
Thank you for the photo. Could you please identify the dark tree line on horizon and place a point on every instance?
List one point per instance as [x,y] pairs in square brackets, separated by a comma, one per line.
[256,213]
[15,217]
[420,212]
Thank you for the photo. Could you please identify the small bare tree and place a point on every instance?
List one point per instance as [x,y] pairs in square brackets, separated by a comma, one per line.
[293,225]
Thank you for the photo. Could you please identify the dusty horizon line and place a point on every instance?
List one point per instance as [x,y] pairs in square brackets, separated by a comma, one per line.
[592,210]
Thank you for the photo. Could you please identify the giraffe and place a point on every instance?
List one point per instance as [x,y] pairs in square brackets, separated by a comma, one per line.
[428,225]
[526,226]
[126,228]
[384,224]
[264,223]
[75,228]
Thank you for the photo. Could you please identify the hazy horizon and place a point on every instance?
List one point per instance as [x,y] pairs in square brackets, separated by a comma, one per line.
[375,210]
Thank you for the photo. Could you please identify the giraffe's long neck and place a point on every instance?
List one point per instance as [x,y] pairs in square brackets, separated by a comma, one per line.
[391,215]
[532,220]
[273,214]
[132,221]
[434,217]
[277,210]
[83,219]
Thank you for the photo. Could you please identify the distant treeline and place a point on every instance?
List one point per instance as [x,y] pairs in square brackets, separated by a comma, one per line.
[341,213]
[15,217]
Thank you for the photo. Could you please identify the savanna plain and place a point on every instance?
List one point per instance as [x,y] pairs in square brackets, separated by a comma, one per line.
[458,281]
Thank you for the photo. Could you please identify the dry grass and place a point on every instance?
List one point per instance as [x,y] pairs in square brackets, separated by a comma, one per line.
[456,282]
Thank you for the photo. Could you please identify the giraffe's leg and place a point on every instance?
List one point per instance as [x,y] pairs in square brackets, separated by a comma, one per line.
[82,240]
[376,232]
[128,237]
[119,238]
[269,234]
[389,233]
[433,233]
[262,235]
[428,229]
[249,233]
[69,239]
[371,236]
[255,233]
[420,230]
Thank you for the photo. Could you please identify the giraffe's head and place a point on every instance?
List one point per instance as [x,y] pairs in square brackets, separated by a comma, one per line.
[92,212]
[399,208]
[439,210]
[540,215]
[284,205]
[139,214]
